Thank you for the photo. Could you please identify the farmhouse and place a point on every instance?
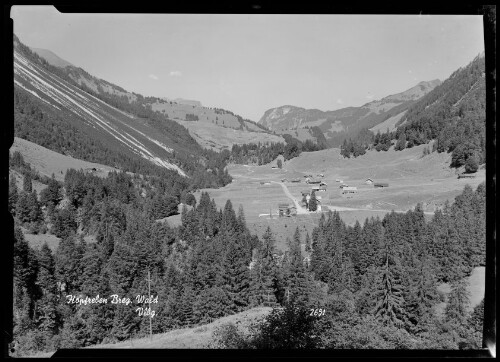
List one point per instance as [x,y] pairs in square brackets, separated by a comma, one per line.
[343,185]
[296,180]
[381,184]
[466,175]
[318,188]
[305,192]
[369,181]
[313,181]
[286,210]
[349,190]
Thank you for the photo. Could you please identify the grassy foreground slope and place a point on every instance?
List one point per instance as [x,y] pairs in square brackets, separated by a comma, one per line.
[48,162]
[195,337]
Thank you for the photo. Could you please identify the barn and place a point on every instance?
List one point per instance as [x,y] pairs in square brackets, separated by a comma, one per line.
[466,175]
[381,184]
[313,181]
[286,210]
[349,190]
[369,181]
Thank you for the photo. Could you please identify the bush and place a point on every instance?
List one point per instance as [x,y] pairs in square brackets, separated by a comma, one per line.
[228,336]
[471,165]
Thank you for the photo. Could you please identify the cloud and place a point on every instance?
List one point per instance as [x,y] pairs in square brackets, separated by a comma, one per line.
[175,73]
[340,101]
[154,77]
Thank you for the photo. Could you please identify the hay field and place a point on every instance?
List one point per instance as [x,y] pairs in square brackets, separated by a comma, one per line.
[411,177]
[48,162]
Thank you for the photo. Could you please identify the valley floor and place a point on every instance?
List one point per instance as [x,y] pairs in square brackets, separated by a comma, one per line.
[412,179]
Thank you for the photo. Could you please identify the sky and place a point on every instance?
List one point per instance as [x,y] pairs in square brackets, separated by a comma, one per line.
[250,63]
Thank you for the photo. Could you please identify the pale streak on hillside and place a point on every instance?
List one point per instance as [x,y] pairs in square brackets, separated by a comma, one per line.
[83,106]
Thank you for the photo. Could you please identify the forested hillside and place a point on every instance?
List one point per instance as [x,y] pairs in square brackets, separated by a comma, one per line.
[376,282]
[453,114]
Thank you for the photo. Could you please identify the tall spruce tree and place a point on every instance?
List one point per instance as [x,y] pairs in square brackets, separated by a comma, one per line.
[389,308]
[27,183]
[48,316]
[13,194]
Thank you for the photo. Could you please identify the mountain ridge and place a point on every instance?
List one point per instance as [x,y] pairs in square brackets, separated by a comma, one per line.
[344,122]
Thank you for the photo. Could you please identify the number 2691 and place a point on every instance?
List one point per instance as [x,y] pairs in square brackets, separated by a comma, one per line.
[317,312]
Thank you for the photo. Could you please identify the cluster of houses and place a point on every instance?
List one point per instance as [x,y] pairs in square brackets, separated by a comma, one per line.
[346,189]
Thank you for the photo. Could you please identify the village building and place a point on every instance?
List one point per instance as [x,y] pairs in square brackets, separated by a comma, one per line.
[369,181]
[313,181]
[286,210]
[349,190]
[381,184]
[466,175]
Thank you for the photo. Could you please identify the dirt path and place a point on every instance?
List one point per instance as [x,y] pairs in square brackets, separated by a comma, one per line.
[300,209]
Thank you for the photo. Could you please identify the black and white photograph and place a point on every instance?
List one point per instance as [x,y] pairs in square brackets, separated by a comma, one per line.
[249,181]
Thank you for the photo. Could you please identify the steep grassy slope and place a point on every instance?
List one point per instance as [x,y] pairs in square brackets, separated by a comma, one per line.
[178,110]
[48,162]
[118,130]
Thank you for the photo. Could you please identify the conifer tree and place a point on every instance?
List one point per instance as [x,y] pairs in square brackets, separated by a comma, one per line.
[475,324]
[23,211]
[64,223]
[52,193]
[236,276]
[13,194]
[185,307]
[35,213]
[458,302]
[389,298]
[210,304]
[48,316]
[313,203]
[263,288]
[67,261]
[25,289]
[297,283]
[308,243]
[27,183]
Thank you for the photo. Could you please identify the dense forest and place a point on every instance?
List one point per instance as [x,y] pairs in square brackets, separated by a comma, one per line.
[376,281]
[453,114]
[262,154]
